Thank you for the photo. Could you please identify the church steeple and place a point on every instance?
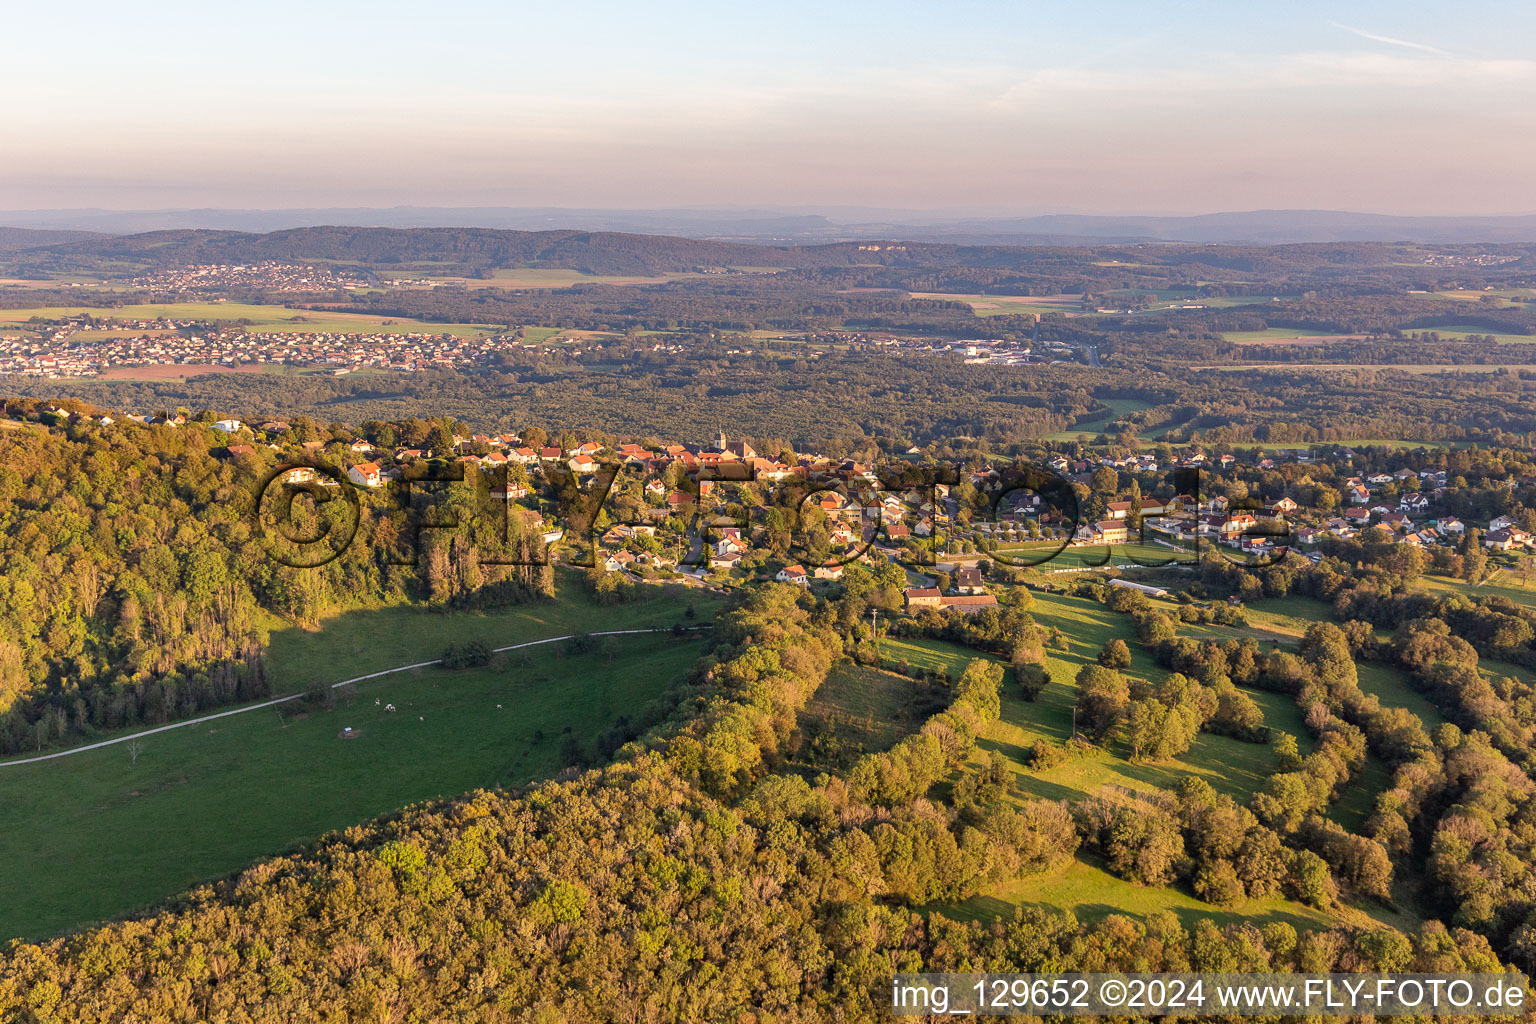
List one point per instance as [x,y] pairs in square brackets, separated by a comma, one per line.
[722,439]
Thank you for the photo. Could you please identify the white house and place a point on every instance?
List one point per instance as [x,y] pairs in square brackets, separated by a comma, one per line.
[365,474]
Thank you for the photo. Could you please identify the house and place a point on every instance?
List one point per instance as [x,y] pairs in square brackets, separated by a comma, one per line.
[366,474]
[235,451]
[828,572]
[1359,494]
[1413,502]
[1107,531]
[968,604]
[618,560]
[228,426]
[509,492]
[793,574]
[967,581]
[1358,516]
[1284,505]
[922,597]
[1502,523]
[1499,540]
[582,465]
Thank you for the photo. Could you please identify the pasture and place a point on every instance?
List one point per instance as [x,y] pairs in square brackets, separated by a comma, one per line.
[360,640]
[98,834]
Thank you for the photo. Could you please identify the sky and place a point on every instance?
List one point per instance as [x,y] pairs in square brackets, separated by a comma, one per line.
[1020,107]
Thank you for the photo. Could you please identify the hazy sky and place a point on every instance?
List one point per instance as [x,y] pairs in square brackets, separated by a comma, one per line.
[1022,106]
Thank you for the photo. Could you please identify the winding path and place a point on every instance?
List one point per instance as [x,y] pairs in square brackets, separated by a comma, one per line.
[299,696]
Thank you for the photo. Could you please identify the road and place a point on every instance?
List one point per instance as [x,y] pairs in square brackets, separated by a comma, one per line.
[299,696]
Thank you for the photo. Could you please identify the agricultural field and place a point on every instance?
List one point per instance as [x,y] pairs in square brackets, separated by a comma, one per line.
[994,305]
[1285,336]
[266,318]
[1461,331]
[98,834]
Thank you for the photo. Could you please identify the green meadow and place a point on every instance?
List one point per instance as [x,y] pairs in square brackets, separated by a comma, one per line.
[97,835]
[1118,407]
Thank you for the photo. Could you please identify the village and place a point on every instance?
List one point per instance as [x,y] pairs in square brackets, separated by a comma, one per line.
[722,513]
[165,343]
[265,276]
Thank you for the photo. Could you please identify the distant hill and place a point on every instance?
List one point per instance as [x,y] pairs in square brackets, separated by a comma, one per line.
[18,239]
[470,249]
[592,252]
[812,225]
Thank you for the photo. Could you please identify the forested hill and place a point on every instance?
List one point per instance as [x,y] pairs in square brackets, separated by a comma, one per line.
[17,239]
[578,250]
[599,252]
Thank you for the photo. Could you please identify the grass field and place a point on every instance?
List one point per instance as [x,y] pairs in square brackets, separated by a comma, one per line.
[1391,367]
[1281,335]
[1118,407]
[93,836]
[1092,894]
[1462,330]
[1504,584]
[364,640]
[994,305]
[269,318]
[865,709]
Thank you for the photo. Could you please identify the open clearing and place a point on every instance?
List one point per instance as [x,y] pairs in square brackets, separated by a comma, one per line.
[1118,406]
[95,836]
[1286,336]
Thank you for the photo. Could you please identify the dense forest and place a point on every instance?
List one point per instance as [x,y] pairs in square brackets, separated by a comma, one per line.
[1341,268]
[851,401]
[139,588]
